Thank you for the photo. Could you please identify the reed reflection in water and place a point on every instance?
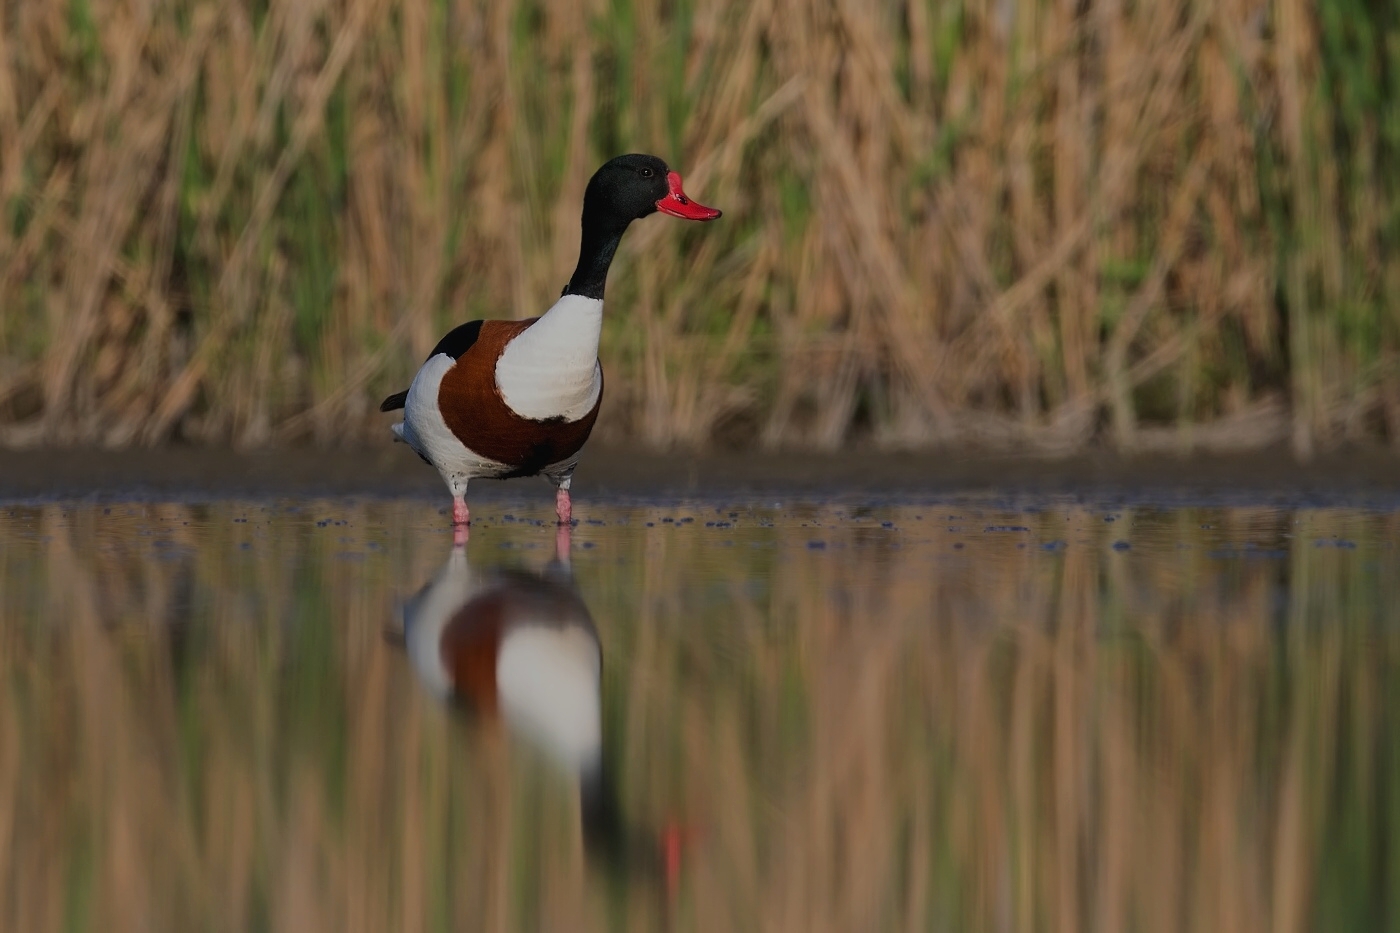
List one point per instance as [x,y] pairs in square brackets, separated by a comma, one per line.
[935,716]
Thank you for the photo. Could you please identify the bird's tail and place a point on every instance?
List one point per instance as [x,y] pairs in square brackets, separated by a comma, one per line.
[403,433]
[395,401]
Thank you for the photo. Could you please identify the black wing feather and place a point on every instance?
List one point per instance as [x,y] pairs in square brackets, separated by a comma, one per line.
[457,341]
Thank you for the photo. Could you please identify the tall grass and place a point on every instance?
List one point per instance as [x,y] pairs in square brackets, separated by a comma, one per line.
[884,733]
[1037,225]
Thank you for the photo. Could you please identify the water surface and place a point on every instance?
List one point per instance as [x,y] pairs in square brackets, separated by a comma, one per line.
[990,715]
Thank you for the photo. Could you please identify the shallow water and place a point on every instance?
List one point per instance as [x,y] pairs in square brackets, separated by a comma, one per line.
[1018,715]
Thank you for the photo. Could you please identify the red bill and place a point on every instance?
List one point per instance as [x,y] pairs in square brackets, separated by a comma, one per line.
[678,205]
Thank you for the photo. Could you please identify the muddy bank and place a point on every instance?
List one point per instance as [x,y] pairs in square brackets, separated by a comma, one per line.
[186,473]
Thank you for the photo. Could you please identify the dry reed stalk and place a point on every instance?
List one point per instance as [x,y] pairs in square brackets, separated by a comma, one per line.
[948,223]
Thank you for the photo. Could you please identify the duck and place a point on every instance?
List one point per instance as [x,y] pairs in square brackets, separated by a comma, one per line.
[508,398]
[519,646]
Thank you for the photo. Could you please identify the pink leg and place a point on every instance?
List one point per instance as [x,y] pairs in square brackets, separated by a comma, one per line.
[563,506]
[563,541]
[460,514]
[461,521]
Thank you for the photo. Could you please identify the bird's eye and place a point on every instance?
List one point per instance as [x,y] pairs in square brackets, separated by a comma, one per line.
[647,173]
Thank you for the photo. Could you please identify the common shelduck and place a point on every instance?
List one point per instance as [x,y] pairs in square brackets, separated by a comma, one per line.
[502,399]
[520,646]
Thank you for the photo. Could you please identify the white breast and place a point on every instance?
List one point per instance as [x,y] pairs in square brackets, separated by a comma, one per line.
[548,681]
[551,370]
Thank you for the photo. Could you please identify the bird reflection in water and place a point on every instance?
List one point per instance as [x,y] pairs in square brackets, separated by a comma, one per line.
[519,645]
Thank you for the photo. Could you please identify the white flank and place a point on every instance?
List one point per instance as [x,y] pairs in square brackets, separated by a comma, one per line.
[424,430]
[548,681]
[551,370]
[427,613]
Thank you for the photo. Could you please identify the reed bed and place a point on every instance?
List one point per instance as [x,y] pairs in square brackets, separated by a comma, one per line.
[867,736]
[1037,225]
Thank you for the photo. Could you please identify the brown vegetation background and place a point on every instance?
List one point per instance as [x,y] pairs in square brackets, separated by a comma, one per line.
[1038,225]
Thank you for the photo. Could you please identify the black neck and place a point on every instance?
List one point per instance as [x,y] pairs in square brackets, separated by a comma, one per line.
[595,254]
[602,823]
